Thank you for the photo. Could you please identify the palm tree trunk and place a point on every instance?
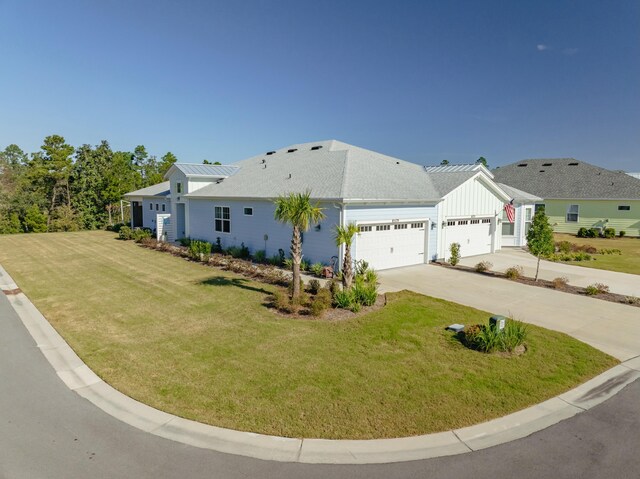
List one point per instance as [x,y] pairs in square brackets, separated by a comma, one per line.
[296,258]
[347,268]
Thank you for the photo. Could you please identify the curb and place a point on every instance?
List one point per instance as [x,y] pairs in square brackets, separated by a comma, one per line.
[78,377]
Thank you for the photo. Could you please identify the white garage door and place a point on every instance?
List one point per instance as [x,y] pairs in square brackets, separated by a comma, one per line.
[391,245]
[473,235]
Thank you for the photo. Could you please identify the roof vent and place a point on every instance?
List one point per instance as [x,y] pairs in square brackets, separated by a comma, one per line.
[397,162]
[289,175]
[270,152]
[541,171]
[522,164]
[573,164]
[317,147]
[292,150]
[546,164]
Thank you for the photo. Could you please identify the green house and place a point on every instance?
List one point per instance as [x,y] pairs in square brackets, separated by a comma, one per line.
[576,194]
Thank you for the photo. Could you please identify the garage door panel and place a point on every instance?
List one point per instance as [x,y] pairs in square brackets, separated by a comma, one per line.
[386,246]
[473,235]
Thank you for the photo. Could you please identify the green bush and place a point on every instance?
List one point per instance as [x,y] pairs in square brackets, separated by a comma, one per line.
[454,249]
[241,251]
[283,303]
[260,256]
[139,234]
[364,293]
[564,246]
[514,334]
[275,260]
[316,268]
[343,299]
[483,266]
[333,286]
[200,250]
[514,272]
[287,263]
[125,233]
[596,288]
[622,233]
[609,233]
[610,251]
[582,232]
[321,302]
[314,286]
[290,287]
[304,265]
[184,241]
[488,339]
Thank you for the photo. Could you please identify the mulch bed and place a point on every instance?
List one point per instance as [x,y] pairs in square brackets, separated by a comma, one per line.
[543,283]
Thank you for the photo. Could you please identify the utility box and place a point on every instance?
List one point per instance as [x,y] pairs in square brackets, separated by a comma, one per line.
[497,322]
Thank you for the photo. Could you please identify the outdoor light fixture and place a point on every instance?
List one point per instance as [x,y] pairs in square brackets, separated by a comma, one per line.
[444,223]
[318,227]
[433,226]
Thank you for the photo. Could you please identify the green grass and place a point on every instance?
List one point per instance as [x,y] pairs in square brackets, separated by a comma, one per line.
[198,342]
[627,262]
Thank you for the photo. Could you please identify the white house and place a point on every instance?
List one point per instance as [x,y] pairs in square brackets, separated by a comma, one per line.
[406,213]
[147,204]
[515,234]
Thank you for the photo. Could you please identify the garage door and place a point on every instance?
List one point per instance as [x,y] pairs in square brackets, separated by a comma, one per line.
[473,235]
[391,245]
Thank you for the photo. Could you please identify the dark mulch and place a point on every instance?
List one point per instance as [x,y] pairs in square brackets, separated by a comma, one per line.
[543,283]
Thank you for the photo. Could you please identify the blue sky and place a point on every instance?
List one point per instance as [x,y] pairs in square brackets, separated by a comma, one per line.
[423,81]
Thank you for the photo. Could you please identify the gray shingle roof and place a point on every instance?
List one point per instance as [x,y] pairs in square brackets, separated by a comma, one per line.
[519,196]
[218,171]
[567,178]
[335,170]
[160,189]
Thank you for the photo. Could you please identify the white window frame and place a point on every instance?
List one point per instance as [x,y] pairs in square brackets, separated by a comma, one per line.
[222,219]
[528,222]
[505,221]
[244,210]
[571,212]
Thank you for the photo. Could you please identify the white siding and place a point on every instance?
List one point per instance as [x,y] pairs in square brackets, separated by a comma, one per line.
[195,184]
[519,238]
[317,246]
[149,214]
[359,214]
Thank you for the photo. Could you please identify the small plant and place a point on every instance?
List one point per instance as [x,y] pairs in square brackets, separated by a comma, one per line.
[596,288]
[610,251]
[314,286]
[275,260]
[564,246]
[371,277]
[364,293]
[290,286]
[217,246]
[184,241]
[283,303]
[287,263]
[241,251]
[200,250]
[514,272]
[343,299]
[316,268]
[138,235]
[304,265]
[488,339]
[609,233]
[454,249]
[260,256]
[483,266]
[582,232]
[514,334]
[622,233]
[125,233]
[321,302]
[632,300]
[362,267]
[333,286]
[355,307]
[560,282]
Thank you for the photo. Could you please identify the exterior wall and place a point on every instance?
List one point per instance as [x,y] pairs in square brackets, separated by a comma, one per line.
[317,246]
[519,238]
[149,214]
[196,183]
[371,213]
[593,213]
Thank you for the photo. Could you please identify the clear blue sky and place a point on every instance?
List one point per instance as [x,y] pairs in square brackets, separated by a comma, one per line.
[423,81]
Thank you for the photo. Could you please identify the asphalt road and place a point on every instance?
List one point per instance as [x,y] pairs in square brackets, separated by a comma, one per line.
[48,431]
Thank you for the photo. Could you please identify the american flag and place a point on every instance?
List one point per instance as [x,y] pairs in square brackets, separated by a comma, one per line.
[510,210]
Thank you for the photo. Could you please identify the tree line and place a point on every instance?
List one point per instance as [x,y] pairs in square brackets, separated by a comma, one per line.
[63,188]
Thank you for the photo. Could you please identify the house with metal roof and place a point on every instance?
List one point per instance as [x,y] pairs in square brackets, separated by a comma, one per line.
[576,194]
[406,213]
[147,203]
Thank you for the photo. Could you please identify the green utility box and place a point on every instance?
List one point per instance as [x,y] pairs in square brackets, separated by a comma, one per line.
[497,322]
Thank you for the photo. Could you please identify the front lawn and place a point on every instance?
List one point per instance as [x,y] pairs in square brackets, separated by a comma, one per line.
[627,262]
[199,343]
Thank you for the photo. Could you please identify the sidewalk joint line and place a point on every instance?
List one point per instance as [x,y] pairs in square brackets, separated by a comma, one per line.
[465,444]
[571,404]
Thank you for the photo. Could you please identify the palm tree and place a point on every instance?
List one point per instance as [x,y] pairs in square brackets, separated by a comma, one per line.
[296,209]
[344,236]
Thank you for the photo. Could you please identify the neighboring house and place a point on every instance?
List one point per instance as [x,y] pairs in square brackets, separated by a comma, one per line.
[576,194]
[147,204]
[515,234]
[635,175]
[406,213]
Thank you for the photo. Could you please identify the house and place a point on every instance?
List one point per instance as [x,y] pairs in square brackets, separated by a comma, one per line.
[406,213]
[147,204]
[515,234]
[576,194]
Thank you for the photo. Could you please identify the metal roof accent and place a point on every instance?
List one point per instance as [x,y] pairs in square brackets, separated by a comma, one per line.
[159,189]
[192,169]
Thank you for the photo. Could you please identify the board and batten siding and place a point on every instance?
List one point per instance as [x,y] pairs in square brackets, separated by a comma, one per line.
[317,245]
[593,213]
[374,213]
[149,215]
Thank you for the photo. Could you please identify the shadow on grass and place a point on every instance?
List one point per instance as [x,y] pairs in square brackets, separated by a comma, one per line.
[237,282]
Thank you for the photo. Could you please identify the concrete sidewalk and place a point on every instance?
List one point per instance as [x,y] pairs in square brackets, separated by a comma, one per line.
[621,283]
[79,378]
[611,327]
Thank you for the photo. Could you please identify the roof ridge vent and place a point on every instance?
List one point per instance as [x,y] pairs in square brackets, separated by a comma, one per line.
[317,147]
[522,164]
[547,164]
[575,163]
[270,152]
[291,150]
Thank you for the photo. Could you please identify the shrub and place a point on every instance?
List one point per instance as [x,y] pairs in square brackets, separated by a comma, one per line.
[290,287]
[314,286]
[632,300]
[560,282]
[564,246]
[514,272]
[217,246]
[125,233]
[260,256]
[317,308]
[582,232]
[288,264]
[324,296]
[343,299]
[514,334]
[283,303]
[138,235]
[184,241]
[596,288]
[304,265]
[115,227]
[488,339]
[362,267]
[355,307]
[454,249]
[364,293]
[610,251]
[371,277]
[483,266]
[316,268]
[622,233]
[200,250]
[609,233]
[592,233]
[580,256]
[241,251]
[275,260]
[333,286]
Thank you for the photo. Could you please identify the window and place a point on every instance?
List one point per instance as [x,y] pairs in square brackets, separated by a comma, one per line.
[222,219]
[402,226]
[178,187]
[539,206]
[451,223]
[486,220]
[474,222]
[528,217]
[572,213]
[463,222]
[164,207]
[508,229]
[151,206]
[624,208]
[248,211]
[362,229]
[383,227]
[417,225]
[157,206]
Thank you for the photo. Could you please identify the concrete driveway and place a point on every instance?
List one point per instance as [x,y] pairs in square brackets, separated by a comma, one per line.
[611,327]
[621,283]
